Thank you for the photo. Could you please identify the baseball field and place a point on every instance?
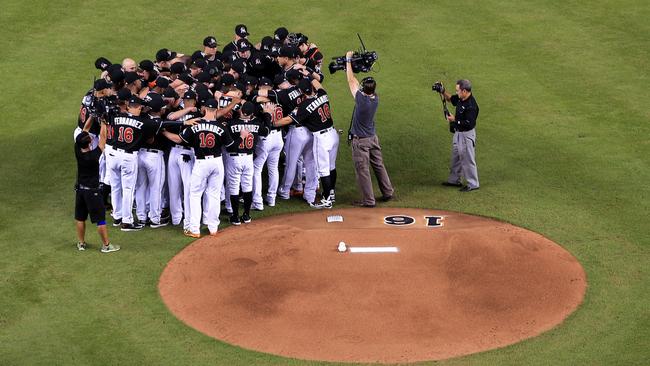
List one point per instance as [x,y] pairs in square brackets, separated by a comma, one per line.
[563,149]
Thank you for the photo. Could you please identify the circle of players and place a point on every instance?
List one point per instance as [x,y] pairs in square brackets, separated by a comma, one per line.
[192,132]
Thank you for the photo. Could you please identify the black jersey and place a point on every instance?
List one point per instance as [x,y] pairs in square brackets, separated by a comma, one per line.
[230,47]
[159,141]
[130,132]
[87,166]
[314,112]
[256,127]
[288,98]
[207,138]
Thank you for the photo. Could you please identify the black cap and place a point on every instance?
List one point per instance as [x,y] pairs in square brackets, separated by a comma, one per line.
[162,82]
[186,78]
[214,68]
[227,79]
[210,103]
[248,108]
[165,55]
[243,45]
[202,92]
[177,68]
[101,84]
[280,34]
[203,77]
[146,65]
[251,80]
[265,81]
[135,100]
[267,44]
[305,86]
[210,41]
[102,63]
[189,95]
[239,65]
[116,75]
[241,30]
[238,85]
[154,101]
[293,74]
[279,79]
[170,93]
[131,76]
[288,51]
[199,63]
[124,94]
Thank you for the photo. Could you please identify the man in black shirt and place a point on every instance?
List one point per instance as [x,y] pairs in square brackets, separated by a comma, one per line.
[89,200]
[463,123]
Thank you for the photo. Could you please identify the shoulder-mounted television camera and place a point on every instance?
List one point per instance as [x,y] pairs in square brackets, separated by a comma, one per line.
[362,60]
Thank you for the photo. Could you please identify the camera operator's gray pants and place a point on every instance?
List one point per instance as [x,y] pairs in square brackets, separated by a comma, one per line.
[463,159]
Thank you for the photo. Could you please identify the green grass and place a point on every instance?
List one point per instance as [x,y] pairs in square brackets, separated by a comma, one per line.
[562,149]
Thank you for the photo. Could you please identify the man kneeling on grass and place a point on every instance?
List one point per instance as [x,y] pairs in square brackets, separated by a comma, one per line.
[89,200]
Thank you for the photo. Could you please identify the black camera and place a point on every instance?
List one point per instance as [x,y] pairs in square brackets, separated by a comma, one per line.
[438,87]
[104,108]
[362,61]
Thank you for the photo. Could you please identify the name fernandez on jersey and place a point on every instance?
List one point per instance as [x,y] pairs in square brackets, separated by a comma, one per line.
[249,127]
[317,103]
[126,121]
[207,127]
[295,94]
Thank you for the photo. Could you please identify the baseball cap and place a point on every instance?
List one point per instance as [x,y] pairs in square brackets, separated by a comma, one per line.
[189,95]
[266,44]
[227,79]
[210,103]
[288,51]
[116,75]
[186,78]
[239,65]
[202,92]
[203,77]
[280,34]
[102,63]
[165,55]
[199,63]
[131,76]
[146,65]
[243,45]
[239,86]
[101,84]
[155,101]
[177,68]
[250,80]
[248,108]
[279,79]
[162,82]
[293,74]
[305,86]
[210,41]
[124,94]
[241,30]
[135,100]
[170,93]
[265,81]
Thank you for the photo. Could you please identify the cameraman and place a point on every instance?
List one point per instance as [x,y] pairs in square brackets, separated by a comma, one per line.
[462,124]
[366,150]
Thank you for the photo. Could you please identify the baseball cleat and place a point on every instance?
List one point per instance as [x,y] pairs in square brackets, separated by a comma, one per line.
[449,184]
[322,204]
[117,222]
[109,248]
[154,225]
[234,220]
[191,234]
[131,227]
[246,218]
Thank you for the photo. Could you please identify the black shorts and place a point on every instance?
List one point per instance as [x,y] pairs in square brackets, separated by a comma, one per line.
[89,202]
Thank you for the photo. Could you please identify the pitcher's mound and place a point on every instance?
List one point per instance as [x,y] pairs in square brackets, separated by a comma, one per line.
[452,284]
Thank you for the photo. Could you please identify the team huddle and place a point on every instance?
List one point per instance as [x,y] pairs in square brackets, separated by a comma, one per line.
[182,134]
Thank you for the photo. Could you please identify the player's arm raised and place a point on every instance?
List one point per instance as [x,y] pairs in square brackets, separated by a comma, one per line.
[353,83]
[224,111]
[102,136]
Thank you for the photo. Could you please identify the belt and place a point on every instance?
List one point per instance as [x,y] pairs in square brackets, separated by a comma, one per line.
[183,147]
[208,157]
[325,130]
[81,186]
[155,151]
[239,154]
[122,150]
[294,126]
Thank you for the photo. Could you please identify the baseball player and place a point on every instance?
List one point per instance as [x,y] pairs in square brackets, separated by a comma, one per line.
[267,151]
[206,138]
[130,131]
[314,113]
[151,171]
[239,170]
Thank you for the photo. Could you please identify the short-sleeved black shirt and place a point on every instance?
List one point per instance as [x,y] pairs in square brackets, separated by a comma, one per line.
[207,138]
[87,166]
[314,113]
[466,113]
[130,132]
